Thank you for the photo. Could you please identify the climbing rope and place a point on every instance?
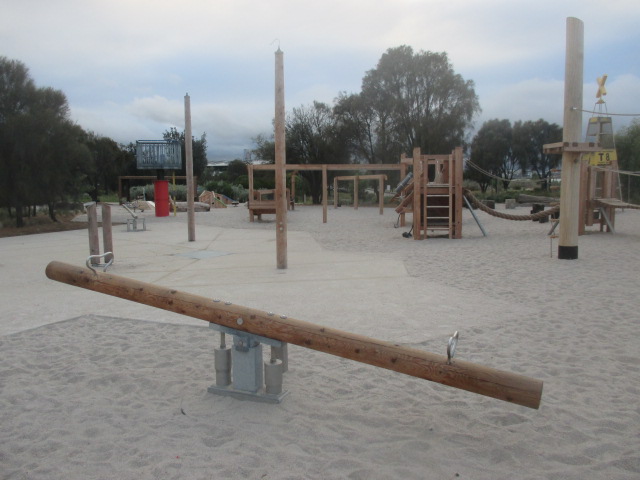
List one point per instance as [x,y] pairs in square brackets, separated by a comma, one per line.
[481,206]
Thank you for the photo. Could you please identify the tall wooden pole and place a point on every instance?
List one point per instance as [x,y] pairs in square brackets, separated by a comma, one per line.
[502,385]
[281,193]
[188,151]
[94,237]
[107,231]
[325,193]
[417,194]
[572,131]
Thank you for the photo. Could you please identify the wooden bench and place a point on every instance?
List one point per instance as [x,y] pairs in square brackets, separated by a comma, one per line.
[260,205]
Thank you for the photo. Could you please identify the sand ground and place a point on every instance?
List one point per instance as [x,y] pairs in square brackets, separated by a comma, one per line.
[93,387]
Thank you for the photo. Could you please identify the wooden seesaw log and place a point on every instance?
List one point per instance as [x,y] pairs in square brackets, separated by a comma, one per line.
[468,376]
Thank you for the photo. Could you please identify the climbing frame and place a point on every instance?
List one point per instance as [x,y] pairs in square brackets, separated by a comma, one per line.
[434,196]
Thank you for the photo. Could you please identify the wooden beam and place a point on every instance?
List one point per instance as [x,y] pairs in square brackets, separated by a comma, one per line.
[334,166]
[409,161]
[362,177]
[474,378]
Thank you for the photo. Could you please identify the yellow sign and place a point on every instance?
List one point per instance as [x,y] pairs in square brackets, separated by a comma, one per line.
[602,91]
[604,157]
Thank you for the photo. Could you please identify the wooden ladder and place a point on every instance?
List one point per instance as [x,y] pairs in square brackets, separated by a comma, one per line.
[438,214]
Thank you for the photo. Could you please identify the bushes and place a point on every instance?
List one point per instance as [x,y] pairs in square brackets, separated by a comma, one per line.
[177,192]
[235,192]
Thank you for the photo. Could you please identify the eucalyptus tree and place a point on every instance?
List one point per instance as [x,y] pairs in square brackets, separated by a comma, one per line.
[16,92]
[409,100]
[199,151]
[32,158]
[628,147]
[529,139]
[314,137]
[492,154]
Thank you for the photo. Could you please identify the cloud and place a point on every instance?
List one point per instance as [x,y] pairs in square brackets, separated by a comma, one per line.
[125,66]
[526,100]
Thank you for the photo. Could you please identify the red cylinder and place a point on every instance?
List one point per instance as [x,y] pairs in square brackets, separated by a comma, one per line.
[161,196]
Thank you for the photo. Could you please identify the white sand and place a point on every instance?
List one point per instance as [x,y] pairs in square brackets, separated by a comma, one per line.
[104,396]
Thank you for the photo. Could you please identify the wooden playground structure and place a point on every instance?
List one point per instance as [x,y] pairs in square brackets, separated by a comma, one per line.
[216,200]
[599,191]
[434,194]
[436,208]
[259,205]
[356,181]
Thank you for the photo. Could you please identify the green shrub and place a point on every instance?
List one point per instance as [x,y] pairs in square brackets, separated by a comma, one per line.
[235,192]
[144,191]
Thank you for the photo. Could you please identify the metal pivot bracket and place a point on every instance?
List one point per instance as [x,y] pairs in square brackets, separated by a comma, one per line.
[241,371]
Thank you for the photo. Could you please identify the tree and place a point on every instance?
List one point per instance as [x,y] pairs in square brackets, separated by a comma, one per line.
[104,166]
[314,137]
[199,149]
[66,159]
[265,149]
[417,100]
[16,92]
[491,151]
[236,169]
[367,129]
[528,140]
[628,148]
[32,121]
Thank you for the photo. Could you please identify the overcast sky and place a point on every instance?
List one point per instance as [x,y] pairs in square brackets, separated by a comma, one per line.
[126,66]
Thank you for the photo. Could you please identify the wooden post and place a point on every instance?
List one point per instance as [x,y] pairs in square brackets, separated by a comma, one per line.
[403,173]
[325,194]
[608,192]
[585,212]
[250,198]
[457,177]
[293,190]
[572,131]
[94,237]
[107,231]
[381,193]
[356,188]
[468,376]
[280,195]
[335,192]
[417,194]
[188,151]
